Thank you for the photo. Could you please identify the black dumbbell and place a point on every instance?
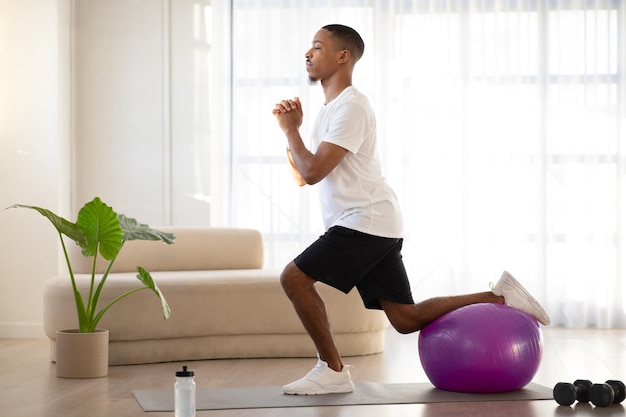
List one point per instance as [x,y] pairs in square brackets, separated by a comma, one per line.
[565,393]
[611,392]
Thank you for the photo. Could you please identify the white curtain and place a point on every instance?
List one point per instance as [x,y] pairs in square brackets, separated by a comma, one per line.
[502,127]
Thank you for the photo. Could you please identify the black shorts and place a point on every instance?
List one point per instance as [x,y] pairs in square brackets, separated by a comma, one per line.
[344,258]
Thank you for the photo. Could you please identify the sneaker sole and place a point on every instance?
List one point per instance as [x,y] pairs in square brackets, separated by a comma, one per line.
[322,391]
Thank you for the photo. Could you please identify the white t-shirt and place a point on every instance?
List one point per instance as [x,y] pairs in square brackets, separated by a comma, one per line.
[355,194]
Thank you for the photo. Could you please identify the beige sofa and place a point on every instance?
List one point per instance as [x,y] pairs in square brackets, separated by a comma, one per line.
[224,303]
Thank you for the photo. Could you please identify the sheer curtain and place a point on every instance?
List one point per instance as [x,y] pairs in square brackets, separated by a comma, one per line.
[501,126]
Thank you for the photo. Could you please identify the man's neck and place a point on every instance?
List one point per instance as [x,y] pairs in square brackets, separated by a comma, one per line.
[334,86]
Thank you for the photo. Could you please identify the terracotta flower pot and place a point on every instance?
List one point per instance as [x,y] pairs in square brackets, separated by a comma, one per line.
[82,355]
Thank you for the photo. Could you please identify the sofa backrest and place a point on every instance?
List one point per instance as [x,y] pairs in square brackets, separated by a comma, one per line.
[195,249]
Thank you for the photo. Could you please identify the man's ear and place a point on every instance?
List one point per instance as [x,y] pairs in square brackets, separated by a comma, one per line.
[344,57]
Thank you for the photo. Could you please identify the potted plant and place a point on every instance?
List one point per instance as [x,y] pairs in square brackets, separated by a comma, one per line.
[98,229]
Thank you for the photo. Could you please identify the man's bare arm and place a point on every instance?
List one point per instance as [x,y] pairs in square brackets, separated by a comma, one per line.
[294,171]
[311,168]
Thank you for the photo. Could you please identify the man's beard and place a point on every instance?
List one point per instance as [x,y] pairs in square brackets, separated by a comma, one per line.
[312,80]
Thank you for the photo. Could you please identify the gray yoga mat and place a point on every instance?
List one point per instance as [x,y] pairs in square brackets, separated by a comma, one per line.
[366,393]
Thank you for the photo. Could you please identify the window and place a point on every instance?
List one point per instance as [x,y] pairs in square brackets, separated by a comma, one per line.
[501,126]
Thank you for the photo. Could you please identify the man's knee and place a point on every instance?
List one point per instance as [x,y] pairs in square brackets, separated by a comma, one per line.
[402,317]
[286,278]
[293,279]
[405,327]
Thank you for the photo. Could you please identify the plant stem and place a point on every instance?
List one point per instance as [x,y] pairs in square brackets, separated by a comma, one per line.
[96,319]
[78,298]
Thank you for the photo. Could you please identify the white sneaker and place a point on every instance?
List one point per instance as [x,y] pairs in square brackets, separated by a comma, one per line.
[321,380]
[517,297]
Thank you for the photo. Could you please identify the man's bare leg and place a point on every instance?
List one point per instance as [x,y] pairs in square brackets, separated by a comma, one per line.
[300,288]
[409,318]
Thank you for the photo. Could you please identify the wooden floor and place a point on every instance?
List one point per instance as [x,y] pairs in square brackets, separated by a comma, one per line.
[29,387]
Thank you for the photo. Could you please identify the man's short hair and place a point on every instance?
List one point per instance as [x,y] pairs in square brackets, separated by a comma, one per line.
[347,38]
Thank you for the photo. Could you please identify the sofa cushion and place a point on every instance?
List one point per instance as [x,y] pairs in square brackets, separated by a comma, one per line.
[208,248]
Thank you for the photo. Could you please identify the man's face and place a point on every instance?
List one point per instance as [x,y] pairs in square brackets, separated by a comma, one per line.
[322,58]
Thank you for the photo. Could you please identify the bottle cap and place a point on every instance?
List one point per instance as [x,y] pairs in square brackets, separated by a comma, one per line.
[185,372]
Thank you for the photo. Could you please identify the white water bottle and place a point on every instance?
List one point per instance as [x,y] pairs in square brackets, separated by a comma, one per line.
[185,394]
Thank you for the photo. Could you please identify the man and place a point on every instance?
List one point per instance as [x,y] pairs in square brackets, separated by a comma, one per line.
[363,240]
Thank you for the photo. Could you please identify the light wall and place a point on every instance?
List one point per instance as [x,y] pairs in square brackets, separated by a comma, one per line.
[147,130]
[119,83]
[104,98]
[34,143]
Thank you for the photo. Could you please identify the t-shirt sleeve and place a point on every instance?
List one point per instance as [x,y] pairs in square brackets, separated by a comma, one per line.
[347,127]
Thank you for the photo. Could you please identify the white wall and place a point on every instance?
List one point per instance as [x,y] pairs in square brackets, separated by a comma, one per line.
[106,98]
[34,139]
[143,114]
[119,121]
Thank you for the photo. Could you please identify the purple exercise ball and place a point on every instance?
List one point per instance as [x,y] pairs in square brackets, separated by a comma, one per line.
[481,348]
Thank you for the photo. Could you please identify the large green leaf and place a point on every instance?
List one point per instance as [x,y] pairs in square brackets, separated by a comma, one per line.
[134,230]
[99,223]
[99,228]
[62,225]
[145,277]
